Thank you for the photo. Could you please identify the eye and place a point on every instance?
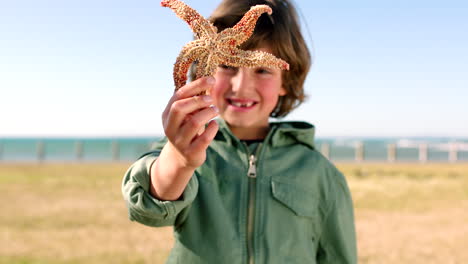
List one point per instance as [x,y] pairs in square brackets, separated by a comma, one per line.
[262,71]
[227,68]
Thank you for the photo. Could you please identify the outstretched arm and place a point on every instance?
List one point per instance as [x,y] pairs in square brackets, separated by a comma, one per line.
[184,117]
[159,187]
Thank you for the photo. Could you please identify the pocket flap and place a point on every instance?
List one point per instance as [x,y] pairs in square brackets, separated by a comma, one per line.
[300,201]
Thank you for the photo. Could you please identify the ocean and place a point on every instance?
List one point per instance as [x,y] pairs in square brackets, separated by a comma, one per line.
[336,149]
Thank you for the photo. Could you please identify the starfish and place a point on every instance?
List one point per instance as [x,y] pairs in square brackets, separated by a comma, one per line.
[211,49]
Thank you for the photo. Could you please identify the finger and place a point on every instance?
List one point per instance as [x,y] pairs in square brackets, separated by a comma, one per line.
[202,141]
[182,110]
[195,87]
[189,90]
[202,129]
[195,122]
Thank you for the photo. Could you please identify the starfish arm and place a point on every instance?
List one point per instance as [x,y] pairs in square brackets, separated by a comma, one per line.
[248,58]
[207,66]
[245,27]
[212,49]
[201,65]
[189,53]
[199,25]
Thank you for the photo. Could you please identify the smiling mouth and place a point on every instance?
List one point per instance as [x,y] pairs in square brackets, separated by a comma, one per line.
[241,104]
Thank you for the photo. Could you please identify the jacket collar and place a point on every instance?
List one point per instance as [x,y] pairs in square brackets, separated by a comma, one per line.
[281,133]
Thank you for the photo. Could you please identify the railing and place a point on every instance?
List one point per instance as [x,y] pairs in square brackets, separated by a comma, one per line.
[392,153]
[73,150]
[121,150]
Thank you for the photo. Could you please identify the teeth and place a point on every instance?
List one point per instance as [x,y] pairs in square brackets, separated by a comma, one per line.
[238,104]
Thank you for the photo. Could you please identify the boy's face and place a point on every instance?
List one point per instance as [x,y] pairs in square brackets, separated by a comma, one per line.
[246,97]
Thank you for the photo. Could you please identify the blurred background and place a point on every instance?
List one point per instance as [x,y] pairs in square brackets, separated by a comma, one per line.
[83,85]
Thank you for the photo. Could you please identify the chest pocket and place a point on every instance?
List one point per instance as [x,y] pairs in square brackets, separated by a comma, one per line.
[294,221]
[302,202]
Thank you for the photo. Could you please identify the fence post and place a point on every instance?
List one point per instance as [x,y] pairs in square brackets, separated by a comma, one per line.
[115,150]
[391,152]
[423,152]
[325,149]
[79,150]
[359,152]
[40,151]
[453,153]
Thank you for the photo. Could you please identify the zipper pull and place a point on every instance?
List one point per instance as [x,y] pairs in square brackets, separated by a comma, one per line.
[252,173]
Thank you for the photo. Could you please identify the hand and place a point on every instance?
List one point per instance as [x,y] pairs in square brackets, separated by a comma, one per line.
[184,120]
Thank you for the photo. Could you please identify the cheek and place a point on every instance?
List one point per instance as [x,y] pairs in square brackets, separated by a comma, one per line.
[271,93]
[217,93]
[272,100]
[220,88]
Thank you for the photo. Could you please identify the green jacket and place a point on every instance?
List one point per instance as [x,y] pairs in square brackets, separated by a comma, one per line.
[283,203]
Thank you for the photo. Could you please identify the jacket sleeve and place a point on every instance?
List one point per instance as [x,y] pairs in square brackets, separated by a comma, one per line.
[144,208]
[337,243]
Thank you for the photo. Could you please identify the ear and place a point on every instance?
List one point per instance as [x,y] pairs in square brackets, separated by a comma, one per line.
[282,91]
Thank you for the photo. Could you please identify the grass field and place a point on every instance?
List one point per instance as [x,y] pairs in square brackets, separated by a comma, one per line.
[74,213]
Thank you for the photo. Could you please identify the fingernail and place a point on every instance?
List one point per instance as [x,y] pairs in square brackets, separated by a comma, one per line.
[210,80]
[207,98]
[215,108]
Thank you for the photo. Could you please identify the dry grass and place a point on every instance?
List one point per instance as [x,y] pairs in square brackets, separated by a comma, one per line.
[410,213]
[74,213]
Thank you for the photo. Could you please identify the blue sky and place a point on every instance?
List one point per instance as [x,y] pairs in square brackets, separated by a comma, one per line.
[104,68]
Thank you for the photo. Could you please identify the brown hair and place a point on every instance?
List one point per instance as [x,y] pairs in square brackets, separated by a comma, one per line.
[279,31]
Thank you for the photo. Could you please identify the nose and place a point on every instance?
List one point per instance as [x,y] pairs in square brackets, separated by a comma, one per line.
[241,81]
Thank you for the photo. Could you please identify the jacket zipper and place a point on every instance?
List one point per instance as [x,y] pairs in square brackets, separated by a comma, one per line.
[252,177]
